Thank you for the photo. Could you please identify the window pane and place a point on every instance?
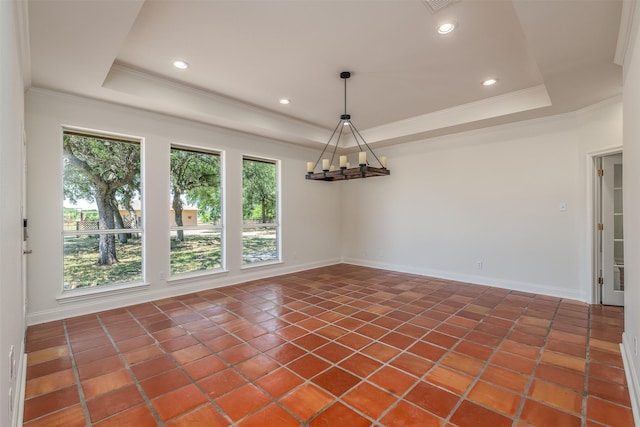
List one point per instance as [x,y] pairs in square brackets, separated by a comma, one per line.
[101,191]
[195,187]
[259,207]
[195,201]
[259,187]
[81,270]
[259,244]
[199,250]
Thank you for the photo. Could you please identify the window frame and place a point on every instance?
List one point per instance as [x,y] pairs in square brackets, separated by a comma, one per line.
[139,229]
[221,227]
[277,225]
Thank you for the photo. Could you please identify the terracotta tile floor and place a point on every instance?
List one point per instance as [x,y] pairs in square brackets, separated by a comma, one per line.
[335,346]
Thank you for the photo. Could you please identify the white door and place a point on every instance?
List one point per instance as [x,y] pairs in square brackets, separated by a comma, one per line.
[612,236]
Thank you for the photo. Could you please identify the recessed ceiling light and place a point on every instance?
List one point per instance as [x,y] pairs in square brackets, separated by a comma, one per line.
[489,82]
[180,64]
[446,28]
[285,101]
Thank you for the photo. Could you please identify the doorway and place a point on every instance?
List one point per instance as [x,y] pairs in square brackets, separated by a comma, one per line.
[609,229]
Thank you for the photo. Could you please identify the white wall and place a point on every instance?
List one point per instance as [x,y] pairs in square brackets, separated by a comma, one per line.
[600,133]
[631,184]
[309,229]
[11,131]
[491,196]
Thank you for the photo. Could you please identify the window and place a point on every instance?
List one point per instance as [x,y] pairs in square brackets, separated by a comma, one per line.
[260,230]
[196,211]
[102,210]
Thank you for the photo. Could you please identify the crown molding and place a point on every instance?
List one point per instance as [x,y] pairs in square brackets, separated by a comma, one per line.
[624,33]
[148,91]
[509,103]
[24,45]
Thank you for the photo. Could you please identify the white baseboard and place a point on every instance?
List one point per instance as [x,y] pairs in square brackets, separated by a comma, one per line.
[103,301]
[18,397]
[628,358]
[100,302]
[477,280]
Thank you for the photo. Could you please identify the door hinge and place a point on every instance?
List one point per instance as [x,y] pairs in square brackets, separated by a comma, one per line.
[600,172]
[600,227]
[600,281]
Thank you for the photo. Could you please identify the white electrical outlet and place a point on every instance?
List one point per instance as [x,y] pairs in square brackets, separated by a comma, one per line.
[479,265]
[161,275]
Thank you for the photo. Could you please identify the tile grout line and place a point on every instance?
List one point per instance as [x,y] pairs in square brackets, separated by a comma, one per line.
[532,376]
[387,332]
[422,378]
[585,391]
[354,351]
[83,402]
[312,302]
[450,350]
[181,368]
[146,399]
[275,400]
[370,321]
[444,355]
[229,366]
[400,397]
[486,363]
[131,314]
[331,363]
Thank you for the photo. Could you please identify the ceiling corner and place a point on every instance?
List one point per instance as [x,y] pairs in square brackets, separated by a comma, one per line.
[624,33]
[22,24]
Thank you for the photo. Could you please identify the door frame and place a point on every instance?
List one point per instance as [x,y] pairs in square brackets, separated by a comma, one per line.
[24,216]
[593,205]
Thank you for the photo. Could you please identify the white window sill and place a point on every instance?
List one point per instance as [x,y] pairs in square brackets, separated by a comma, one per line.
[189,277]
[260,264]
[100,291]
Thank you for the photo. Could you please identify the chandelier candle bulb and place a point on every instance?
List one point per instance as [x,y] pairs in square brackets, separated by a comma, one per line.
[325,164]
[309,167]
[362,158]
[343,161]
[348,165]
[332,168]
[383,161]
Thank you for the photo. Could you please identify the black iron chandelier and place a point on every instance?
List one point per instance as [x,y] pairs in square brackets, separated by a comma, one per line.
[345,171]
